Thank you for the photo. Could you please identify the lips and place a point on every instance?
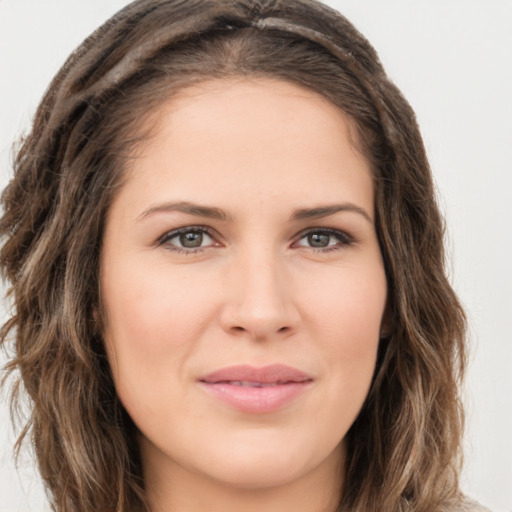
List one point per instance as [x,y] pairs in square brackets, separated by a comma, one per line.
[256,390]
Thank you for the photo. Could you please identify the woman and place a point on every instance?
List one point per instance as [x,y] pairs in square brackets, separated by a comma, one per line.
[227,271]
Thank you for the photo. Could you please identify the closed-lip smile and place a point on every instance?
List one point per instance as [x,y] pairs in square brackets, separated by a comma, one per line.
[256,390]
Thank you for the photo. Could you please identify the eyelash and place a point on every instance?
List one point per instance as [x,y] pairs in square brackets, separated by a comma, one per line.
[343,238]
[167,237]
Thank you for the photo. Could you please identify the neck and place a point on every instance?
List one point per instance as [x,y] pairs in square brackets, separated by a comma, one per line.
[173,488]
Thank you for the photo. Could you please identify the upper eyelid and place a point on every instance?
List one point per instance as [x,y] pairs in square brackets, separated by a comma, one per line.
[331,231]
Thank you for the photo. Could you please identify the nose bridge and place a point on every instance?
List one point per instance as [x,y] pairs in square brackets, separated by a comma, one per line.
[260,300]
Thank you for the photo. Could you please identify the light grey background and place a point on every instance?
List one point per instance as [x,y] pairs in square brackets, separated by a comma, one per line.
[453,61]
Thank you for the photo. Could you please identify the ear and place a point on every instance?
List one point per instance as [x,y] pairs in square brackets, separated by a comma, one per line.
[387,323]
[97,320]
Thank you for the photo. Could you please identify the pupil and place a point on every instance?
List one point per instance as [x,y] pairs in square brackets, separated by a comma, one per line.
[318,239]
[191,239]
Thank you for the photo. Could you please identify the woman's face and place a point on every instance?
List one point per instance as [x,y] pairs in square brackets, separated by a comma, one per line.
[243,285]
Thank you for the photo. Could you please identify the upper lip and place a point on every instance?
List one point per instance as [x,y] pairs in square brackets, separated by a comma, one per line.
[265,374]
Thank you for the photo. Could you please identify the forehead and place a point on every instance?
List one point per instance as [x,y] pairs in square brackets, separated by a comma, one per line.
[258,134]
[245,103]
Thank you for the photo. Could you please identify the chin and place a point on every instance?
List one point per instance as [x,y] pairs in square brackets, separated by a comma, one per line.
[258,475]
[265,465]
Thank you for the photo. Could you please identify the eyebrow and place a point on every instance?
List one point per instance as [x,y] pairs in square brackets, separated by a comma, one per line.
[209,212]
[325,211]
[212,212]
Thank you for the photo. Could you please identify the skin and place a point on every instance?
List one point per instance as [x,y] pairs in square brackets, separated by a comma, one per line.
[257,291]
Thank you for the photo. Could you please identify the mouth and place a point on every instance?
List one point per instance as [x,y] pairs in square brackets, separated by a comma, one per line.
[248,384]
[256,390]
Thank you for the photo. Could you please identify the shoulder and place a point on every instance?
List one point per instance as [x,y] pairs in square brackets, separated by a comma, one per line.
[468,505]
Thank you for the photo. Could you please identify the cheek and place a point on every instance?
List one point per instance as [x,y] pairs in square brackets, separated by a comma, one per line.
[153,322]
[350,305]
[349,313]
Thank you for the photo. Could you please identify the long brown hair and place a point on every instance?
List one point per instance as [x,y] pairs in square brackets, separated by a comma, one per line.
[404,447]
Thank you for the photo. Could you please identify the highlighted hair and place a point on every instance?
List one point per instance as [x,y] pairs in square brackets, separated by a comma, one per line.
[404,448]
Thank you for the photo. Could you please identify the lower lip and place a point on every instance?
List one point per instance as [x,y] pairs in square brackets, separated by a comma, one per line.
[256,400]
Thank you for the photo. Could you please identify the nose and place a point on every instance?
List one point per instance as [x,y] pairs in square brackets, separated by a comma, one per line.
[260,299]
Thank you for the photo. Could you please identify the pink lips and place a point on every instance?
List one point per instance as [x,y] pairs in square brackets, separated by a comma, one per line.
[256,390]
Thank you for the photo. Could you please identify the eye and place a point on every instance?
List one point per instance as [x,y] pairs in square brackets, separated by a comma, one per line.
[188,239]
[324,239]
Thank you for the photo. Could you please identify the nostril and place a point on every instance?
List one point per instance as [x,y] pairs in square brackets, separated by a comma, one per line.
[240,329]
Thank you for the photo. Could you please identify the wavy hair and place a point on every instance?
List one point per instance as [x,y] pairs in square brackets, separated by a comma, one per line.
[404,448]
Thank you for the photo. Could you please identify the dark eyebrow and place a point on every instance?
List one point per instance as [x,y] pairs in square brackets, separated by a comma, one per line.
[186,207]
[216,213]
[325,211]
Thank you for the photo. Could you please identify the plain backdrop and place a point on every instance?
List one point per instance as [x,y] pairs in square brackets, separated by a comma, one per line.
[453,61]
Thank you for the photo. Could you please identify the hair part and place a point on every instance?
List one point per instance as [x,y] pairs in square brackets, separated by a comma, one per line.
[404,448]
